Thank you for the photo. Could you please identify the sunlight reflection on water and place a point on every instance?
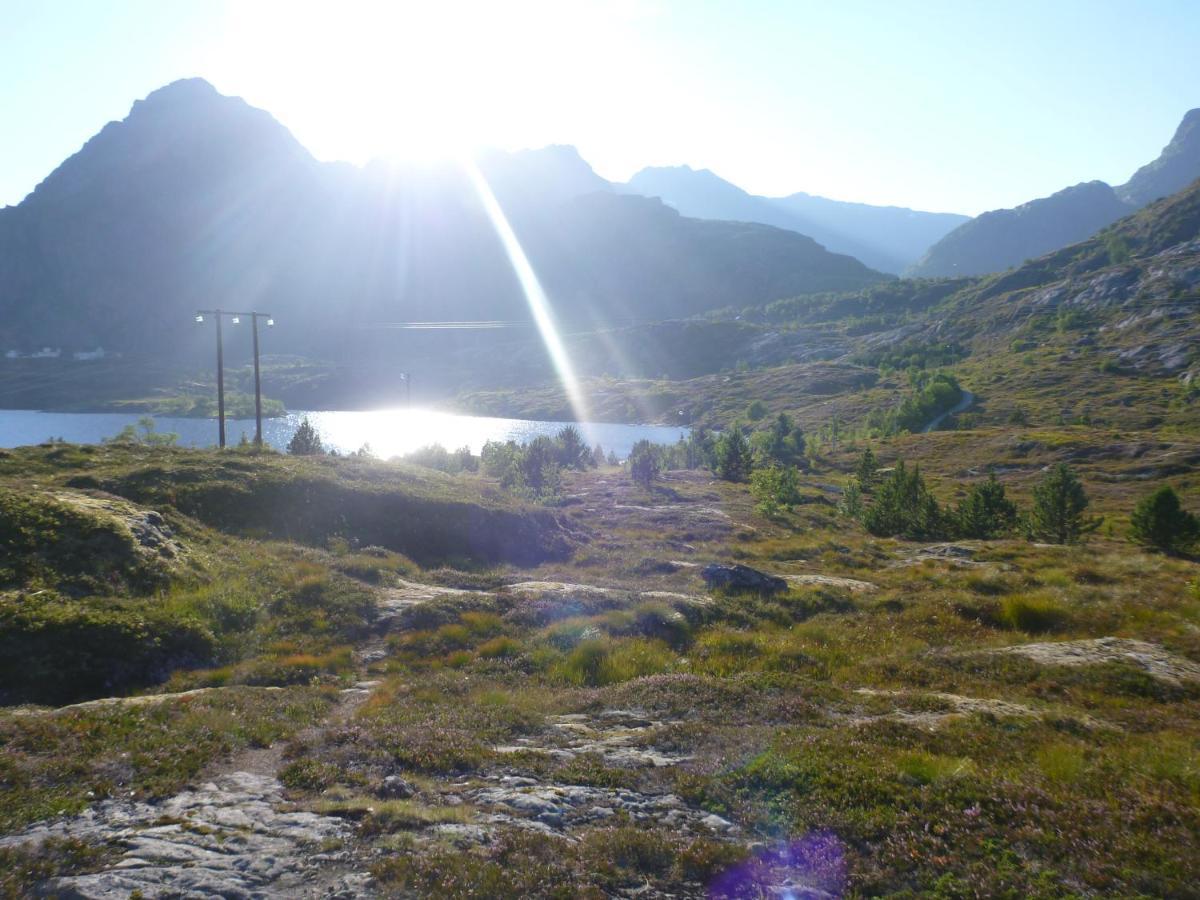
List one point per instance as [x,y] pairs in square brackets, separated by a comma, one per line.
[390,432]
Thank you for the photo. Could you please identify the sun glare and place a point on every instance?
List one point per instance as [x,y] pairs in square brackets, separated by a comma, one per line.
[363,80]
[535,296]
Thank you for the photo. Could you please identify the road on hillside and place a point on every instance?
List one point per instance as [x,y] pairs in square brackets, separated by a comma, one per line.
[964,402]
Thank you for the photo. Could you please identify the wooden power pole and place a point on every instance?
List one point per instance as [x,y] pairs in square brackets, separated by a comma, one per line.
[236,317]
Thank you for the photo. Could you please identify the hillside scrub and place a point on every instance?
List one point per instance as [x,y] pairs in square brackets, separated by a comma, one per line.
[81,543]
[931,396]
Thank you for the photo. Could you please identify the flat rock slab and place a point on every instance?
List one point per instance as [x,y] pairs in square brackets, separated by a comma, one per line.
[555,808]
[957,706]
[620,737]
[1150,658]
[395,601]
[960,555]
[675,598]
[559,589]
[407,593]
[231,838]
[849,584]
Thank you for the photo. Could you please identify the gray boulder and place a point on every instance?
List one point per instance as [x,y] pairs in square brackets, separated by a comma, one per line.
[742,578]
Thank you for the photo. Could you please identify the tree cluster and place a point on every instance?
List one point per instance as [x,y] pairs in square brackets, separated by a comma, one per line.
[901,505]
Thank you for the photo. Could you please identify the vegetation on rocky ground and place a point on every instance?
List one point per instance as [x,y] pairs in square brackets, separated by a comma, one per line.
[878,727]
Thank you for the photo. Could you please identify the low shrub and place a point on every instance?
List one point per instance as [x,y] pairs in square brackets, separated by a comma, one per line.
[1032,614]
[600,661]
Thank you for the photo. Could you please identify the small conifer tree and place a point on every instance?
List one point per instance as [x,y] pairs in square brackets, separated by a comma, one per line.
[644,464]
[904,507]
[306,441]
[985,512]
[1159,521]
[865,471]
[1059,502]
[733,455]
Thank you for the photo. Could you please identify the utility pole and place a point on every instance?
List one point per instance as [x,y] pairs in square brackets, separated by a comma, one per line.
[235,318]
[220,384]
[257,385]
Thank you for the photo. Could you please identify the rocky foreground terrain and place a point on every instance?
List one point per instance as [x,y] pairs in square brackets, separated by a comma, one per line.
[205,704]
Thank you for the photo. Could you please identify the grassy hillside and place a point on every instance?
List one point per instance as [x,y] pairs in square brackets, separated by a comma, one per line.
[121,564]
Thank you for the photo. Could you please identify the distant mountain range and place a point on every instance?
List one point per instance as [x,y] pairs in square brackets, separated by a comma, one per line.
[887,238]
[199,200]
[999,240]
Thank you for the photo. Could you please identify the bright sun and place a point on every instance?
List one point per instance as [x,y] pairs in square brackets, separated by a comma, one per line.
[359,80]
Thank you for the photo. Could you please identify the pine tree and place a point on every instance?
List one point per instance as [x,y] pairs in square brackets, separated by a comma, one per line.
[1160,521]
[643,463]
[866,470]
[306,441]
[904,507]
[1059,501]
[733,455]
[985,512]
[851,503]
[572,451]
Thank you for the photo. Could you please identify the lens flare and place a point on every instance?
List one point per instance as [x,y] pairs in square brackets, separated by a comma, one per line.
[535,296]
[811,866]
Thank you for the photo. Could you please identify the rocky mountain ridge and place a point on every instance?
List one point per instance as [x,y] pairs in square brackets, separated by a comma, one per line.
[199,200]
[1004,238]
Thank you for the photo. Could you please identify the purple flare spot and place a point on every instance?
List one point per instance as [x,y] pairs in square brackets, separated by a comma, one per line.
[810,868]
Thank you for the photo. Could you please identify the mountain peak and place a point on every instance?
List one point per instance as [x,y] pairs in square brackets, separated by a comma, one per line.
[183,87]
[187,125]
[1176,167]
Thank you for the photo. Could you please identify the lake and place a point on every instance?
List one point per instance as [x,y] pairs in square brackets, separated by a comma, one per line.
[391,432]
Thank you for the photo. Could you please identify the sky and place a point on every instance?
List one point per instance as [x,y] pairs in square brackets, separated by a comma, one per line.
[944,105]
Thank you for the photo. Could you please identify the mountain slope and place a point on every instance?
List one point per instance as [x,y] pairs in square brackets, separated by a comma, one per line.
[885,238]
[896,236]
[1007,237]
[199,200]
[1001,239]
